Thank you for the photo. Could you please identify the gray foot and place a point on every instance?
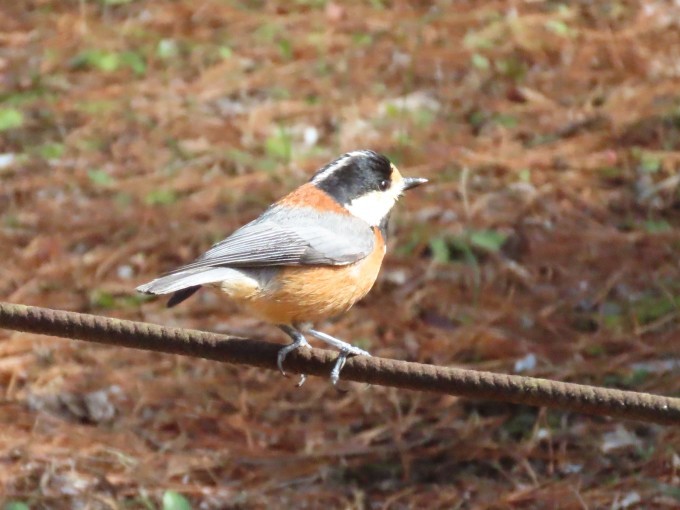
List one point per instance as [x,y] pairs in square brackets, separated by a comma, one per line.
[345,351]
[298,341]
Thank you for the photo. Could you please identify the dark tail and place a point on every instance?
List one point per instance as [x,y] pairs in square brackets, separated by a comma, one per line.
[181,295]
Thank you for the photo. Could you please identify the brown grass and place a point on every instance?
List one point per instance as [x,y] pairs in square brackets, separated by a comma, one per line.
[148,130]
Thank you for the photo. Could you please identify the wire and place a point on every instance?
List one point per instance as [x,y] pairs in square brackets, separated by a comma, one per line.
[385,372]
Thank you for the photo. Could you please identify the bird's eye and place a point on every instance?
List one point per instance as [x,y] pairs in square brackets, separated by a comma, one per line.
[383,185]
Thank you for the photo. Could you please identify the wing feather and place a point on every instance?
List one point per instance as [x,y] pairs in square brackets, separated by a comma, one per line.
[285,236]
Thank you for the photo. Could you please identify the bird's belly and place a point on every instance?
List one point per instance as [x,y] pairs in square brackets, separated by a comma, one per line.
[308,294]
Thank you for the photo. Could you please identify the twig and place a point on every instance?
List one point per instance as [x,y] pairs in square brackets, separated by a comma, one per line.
[372,370]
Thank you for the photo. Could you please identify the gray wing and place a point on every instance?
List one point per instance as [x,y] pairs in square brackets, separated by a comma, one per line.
[280,237]
[283,236]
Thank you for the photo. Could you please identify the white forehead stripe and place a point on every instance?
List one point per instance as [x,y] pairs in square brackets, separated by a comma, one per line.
[338,163]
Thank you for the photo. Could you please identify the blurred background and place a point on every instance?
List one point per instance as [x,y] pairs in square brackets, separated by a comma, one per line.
[135,133]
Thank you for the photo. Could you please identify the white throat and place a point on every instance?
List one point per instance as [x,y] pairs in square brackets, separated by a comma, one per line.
[374,206]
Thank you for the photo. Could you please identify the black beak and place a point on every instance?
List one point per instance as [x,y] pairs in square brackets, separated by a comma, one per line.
[412,182]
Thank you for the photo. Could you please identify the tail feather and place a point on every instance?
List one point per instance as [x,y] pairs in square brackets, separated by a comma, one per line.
[181,295]
[184,279]
[184,284]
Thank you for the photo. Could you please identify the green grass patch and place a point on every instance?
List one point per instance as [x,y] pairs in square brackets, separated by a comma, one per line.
[467,246]
[97,107]
[51,150]
[103,300]
[16,505]
[11,118]
[653,308]
[110,61]
[100,178]
[657,226]
[480,62]
[175,501]
[279,145]
[160,197]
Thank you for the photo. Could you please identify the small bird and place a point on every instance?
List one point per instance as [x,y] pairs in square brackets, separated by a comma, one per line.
[310,256]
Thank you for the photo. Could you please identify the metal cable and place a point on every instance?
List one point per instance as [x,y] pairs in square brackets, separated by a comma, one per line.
[372,370]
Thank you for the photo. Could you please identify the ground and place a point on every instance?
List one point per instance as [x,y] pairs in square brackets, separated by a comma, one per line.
[134,133]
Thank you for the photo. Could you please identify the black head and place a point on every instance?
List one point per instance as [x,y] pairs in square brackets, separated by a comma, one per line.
[365,183]
[355,174]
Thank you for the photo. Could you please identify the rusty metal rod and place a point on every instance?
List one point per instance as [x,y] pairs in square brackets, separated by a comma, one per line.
[400,374]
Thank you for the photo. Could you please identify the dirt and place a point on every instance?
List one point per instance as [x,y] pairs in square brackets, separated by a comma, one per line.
[133,134]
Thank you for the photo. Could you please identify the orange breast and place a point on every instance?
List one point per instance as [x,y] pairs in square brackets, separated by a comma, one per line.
[308,294]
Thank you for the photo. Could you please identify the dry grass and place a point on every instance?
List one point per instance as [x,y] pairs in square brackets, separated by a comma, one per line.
[139,132]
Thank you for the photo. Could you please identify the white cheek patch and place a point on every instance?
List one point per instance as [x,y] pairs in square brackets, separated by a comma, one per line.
[374,206]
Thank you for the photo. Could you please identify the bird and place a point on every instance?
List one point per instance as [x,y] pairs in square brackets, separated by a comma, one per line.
[308,257]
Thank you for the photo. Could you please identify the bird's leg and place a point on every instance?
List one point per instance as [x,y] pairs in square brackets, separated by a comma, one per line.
[337,343]
[339,365]
[344,348]
[299,340]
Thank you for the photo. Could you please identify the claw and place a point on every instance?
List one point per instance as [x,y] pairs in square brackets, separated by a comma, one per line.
[345,351]
[298,341]
[281,356]
[339,365]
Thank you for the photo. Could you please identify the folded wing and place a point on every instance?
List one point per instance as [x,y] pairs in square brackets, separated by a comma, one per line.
[282,236]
